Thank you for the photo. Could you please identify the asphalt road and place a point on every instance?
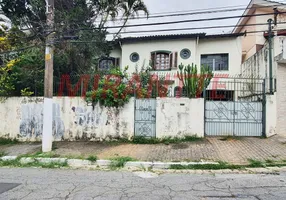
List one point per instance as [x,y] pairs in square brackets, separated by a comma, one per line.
[84,185]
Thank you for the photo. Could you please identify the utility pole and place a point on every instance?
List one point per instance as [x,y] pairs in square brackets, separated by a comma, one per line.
[48,93]
[270,54]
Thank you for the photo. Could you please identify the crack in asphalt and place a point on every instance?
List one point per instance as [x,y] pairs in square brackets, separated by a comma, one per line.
[125,185]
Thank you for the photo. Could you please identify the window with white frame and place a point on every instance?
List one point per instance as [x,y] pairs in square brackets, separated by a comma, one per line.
[216,62]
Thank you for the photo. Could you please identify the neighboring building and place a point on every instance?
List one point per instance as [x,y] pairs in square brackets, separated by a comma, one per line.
[256,39]
[256,59]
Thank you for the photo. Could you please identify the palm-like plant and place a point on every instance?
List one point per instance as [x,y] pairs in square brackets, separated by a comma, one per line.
[105,9]
[130,9]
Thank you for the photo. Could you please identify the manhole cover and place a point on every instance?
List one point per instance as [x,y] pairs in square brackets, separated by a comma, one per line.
[4,187]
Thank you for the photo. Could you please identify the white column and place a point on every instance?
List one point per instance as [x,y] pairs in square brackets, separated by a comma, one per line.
[47,138]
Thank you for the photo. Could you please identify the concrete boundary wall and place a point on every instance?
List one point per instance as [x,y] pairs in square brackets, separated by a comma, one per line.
[179,117]
[73,119]
[271,115]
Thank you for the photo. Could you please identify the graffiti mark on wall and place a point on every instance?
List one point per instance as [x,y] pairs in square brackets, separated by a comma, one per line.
[32,121]
[90,118]
[97,122]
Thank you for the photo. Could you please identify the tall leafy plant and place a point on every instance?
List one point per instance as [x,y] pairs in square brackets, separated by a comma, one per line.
[194,83]
[112,90]
[150,85]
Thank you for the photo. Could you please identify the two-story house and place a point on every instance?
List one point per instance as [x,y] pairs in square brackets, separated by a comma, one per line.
[163,53]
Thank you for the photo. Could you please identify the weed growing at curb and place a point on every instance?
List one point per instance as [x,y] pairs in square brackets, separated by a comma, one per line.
[256,163]
[119,162]
[166,140]
[51,155]
[268,161]
[40,155]
[7,141]
[223,165]
[2,153]
[92,158]
[35,163]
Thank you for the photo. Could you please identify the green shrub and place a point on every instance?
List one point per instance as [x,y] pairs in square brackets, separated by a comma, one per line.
[256,163]
[2,153]
[6,141]
[119,162]
[112,90]
[92,158]
[165,140]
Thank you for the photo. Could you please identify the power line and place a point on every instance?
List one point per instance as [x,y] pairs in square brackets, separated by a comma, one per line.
[244,7]
[184,21]
[193,13]
[250,32]
[197,28]
[201,11]
[223,7]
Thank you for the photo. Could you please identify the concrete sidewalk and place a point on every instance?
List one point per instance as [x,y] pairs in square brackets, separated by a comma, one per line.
[236,151]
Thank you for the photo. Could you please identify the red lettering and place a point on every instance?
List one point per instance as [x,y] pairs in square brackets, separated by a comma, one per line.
[84,79]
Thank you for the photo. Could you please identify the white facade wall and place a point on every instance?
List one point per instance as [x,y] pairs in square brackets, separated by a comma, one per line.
[145,48]
[198,47]
[73,119]
[232,46]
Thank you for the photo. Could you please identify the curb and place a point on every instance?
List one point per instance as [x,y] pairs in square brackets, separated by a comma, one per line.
[164,165]
[102,163]
[160,167]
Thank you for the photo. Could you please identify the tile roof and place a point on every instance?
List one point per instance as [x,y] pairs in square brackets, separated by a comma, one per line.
[177,36]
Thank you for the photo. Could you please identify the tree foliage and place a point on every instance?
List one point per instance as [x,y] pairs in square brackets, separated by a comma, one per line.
[81,19]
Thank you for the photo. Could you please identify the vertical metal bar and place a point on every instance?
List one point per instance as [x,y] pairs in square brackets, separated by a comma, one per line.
[233,133]
[264,111]
[155,109]
[270,54]
[134,88]
[205,120]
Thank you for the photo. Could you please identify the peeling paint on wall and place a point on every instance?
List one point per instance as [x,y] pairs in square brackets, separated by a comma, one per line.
[179,117]
[22,118]
[88,118]
[31,125]
[97,123]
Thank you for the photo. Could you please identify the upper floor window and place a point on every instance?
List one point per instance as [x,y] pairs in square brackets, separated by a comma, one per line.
[108,63]
[164,60]
[216,62]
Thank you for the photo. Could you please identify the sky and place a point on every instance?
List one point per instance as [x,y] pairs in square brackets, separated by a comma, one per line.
[163,7]
[159,7]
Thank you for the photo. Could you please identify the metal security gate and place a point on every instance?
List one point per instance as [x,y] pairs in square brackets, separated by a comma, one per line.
[233,118]
[145,118]
[236,111]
